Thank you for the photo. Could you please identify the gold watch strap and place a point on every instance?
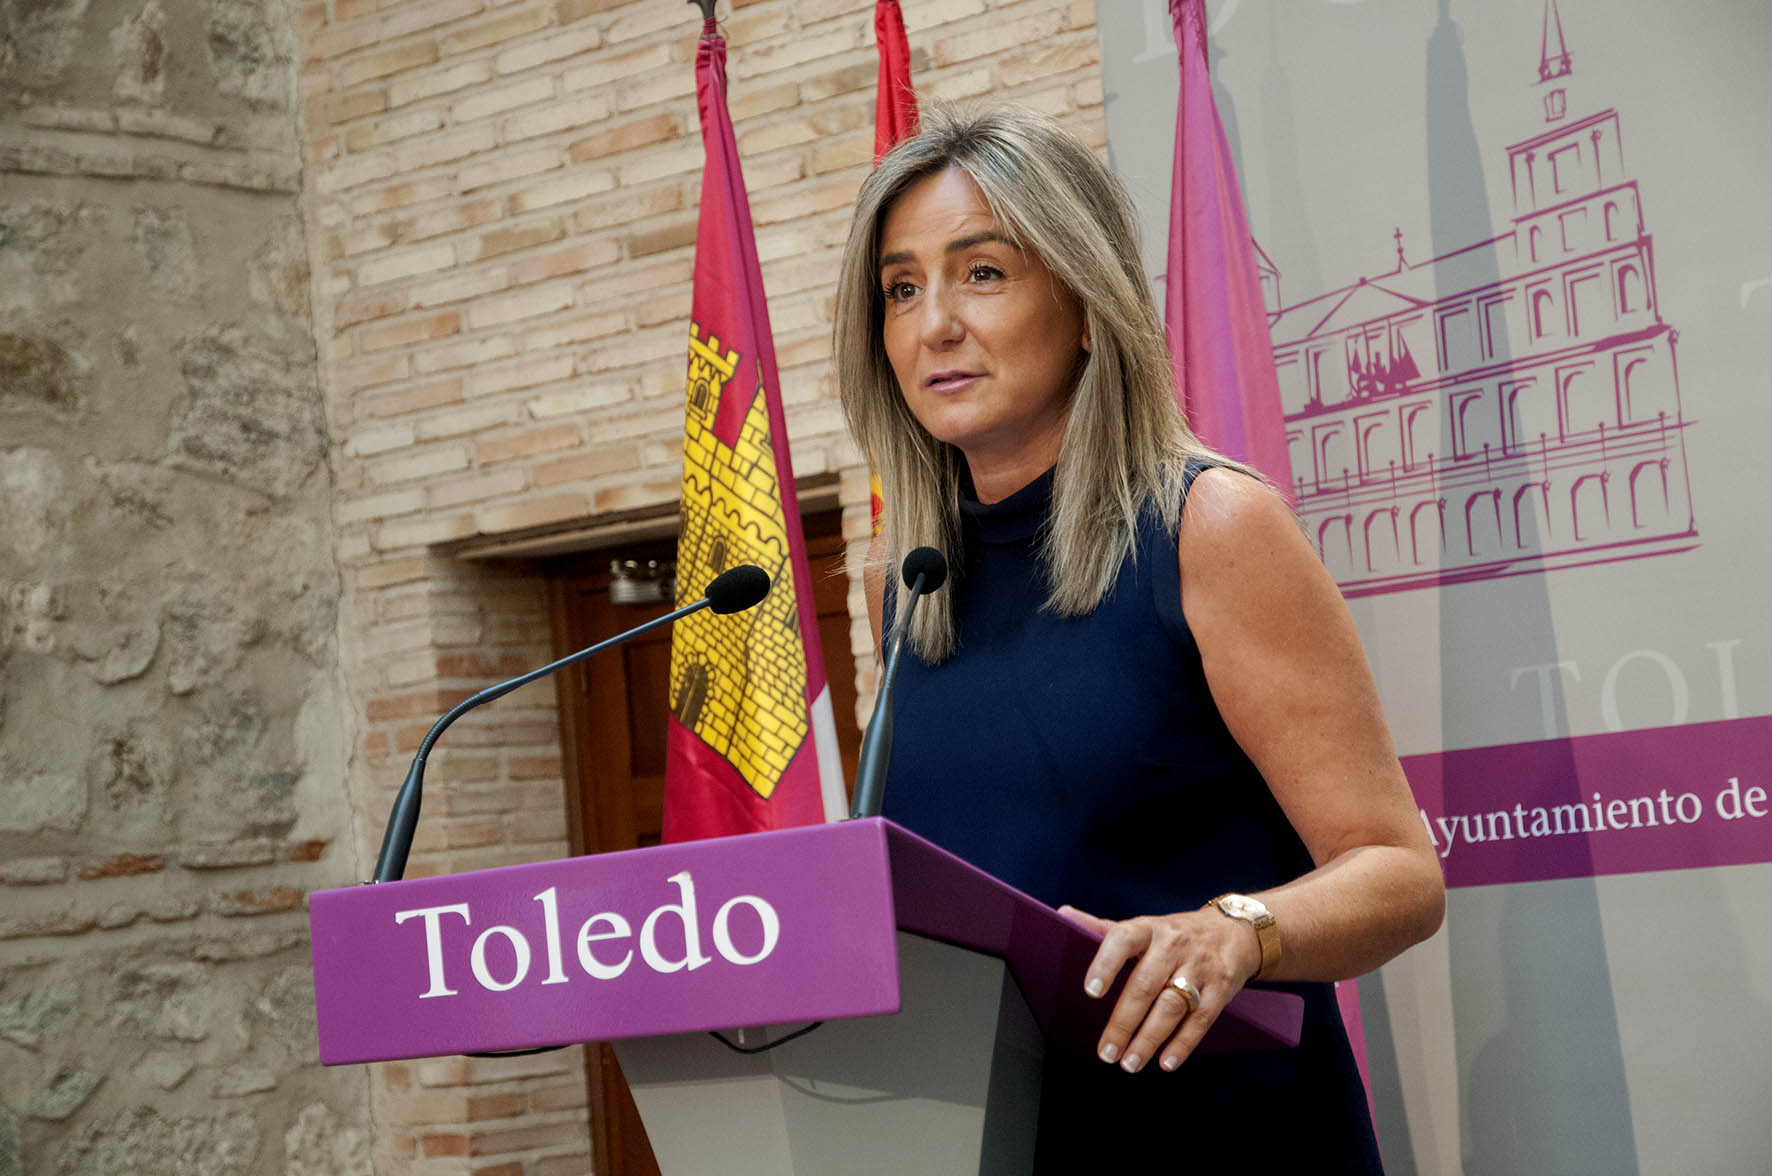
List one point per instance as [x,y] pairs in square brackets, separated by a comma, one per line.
[1267,931]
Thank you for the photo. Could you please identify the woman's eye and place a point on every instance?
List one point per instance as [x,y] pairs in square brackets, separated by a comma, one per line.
[899,291]
[985,273]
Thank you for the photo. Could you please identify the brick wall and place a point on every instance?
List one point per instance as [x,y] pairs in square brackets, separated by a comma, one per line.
[501,201]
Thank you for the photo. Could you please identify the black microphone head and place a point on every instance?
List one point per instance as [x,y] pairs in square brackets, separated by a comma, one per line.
[737,589]
[928,563]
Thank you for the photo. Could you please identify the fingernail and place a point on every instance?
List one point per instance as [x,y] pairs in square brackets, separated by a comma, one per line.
[1094,987]
[1170,1062]
[1109,1052]
[1132,1063]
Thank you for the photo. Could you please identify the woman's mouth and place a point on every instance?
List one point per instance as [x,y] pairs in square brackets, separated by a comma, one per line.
[951,381]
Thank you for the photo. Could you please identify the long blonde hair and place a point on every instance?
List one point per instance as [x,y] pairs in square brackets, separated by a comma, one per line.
[1125,445]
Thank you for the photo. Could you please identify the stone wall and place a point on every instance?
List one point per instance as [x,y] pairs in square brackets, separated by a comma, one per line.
[171,761]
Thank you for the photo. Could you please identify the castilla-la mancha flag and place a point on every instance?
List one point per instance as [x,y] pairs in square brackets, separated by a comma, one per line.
[752,740]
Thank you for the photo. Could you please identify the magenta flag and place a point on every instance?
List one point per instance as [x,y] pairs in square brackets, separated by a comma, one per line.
[1217,323]
[1216,319]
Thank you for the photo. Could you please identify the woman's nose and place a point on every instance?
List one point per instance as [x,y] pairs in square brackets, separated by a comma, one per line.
[941,325]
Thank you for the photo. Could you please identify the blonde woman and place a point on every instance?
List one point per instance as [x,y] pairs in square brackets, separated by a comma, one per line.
[1142,695]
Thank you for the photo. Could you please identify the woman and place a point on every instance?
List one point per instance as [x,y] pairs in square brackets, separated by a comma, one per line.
[1142,692]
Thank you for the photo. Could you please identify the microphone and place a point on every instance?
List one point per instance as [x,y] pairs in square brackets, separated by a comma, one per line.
[733,590]
[924,571]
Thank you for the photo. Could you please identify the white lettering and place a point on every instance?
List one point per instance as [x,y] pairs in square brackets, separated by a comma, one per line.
[550,918]
[1548,695]
[618,929]
[765,915]
[1697,808]
[1609,688]
[1729,800]
[745,930]
[1447,828]
[1639,806]
[1726,675]
[1733,803]
[434,941]
[519,946]
[685,912]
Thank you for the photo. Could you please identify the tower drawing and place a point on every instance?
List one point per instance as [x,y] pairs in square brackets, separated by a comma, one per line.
[1517,424]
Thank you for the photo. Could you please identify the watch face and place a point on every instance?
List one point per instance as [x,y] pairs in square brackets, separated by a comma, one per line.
[1242,907]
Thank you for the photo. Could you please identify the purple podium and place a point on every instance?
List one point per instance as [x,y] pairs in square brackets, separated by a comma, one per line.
[938,987]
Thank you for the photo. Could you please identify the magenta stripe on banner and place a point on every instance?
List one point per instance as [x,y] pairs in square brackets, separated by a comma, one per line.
[1667,798]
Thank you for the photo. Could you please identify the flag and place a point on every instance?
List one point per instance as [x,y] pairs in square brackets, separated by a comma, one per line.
[1217,323]
[752,742]
[895,118]
[895,101]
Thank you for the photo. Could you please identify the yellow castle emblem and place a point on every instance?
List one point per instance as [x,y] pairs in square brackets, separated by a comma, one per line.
[737,681]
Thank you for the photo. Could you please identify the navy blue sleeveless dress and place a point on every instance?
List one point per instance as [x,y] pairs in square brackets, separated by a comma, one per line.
[1082,760]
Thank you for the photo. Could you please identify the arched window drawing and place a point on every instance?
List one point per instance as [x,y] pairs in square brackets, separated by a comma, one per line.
[1645,386]
[1531,416]
[1631,295]
[1535,241]
[1587,502]
[1378,450]
[1582,402]
[1612,219]
[1473,424]
[1649,505]
[1418,435]
[1482,523]
[1427,532]
[1336,543]
[1544,311]
[1382,553]
[1334,461]
[1532,529]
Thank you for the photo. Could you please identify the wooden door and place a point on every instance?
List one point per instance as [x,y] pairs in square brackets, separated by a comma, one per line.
[613,711]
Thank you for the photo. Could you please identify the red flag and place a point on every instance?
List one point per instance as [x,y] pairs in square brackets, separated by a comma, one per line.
[1218,336]
[752,740]
[895,102]
[895,118]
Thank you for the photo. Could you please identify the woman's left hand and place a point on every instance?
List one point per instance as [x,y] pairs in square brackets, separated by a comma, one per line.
[1153,1017]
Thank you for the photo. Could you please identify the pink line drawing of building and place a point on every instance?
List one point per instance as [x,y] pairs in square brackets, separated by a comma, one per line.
[1550,377]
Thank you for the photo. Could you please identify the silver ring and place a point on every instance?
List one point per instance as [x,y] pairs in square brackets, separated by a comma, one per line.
[1188,992]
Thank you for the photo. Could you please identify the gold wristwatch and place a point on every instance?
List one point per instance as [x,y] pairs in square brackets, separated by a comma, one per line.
[1255,913]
